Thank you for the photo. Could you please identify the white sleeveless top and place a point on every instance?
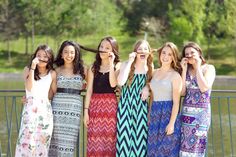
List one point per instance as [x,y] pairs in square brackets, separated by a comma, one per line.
[40,87]
[162,89]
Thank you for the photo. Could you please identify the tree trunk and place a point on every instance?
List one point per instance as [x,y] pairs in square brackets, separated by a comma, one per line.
[26,45]
[8,50]
[208,48]
[32,30]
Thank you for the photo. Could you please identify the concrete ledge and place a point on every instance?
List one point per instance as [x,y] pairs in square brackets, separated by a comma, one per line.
[219,81]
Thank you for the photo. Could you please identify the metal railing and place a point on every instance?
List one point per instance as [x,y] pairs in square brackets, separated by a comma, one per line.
[221,136]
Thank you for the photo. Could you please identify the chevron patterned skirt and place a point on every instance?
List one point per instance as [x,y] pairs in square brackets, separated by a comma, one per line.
[160,144]
[132,128]
[102,126]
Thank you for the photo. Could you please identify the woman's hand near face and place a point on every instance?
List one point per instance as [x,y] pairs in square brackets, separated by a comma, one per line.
[198,61]
[184,64]
[111,58]
[35,61]
[132,56]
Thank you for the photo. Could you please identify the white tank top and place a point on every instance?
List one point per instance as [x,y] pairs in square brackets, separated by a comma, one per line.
[161,89]
[40,87]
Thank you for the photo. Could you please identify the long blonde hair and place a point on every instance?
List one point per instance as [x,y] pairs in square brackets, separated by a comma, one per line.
[176,60]
[149,63]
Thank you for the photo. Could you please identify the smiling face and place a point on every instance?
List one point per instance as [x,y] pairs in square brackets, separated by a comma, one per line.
[143,51]
[68,54]
[166,56]
[104,48]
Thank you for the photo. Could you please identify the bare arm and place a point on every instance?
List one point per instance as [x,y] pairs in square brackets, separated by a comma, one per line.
[184,66]
[124,73]
[28,78]
[177,87]
[205,80]
[53,87]
[125,69]
[88,96]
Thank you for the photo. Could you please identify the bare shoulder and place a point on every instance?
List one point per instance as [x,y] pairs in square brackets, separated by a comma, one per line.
[155,72]
[58,69]
[25,72]
[26,69]
[117,66]
[85,67]
[90,70]
[210,67]
[176,76]
[53,73]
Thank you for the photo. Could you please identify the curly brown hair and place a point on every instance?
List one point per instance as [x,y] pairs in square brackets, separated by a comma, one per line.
[98,61]
[176,60]
[149,62]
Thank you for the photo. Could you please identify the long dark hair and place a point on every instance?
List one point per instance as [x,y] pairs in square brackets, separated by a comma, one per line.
[196,47]
[50,56]
[78,67]
[98,61]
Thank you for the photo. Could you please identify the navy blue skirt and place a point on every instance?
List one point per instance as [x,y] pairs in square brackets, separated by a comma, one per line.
[160,144]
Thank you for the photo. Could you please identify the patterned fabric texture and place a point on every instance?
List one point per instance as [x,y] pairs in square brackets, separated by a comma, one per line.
[160,144]
[102,125]
[196,116]
[37,122]
[132,120]
[66,116]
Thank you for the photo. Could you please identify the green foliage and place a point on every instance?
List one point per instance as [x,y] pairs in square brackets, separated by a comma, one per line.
[181,30]
[188,16]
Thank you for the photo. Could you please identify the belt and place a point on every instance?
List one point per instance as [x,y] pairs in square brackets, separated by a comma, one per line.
[68,90]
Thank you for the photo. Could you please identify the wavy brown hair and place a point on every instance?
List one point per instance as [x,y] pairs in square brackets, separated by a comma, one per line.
[78,64]
[175,52]
[196,47]
[149,62]
[50,56]
[98,61]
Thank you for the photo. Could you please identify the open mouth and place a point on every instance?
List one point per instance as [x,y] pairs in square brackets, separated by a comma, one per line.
[142,56]
[43,61]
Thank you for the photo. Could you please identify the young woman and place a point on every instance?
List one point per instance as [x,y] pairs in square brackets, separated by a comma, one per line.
[132,110]
[67,102]
[198,77]
[101,102]
[166,86]
[37,119]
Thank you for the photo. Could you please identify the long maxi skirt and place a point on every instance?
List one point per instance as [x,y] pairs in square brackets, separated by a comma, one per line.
[160,144]
[102,126]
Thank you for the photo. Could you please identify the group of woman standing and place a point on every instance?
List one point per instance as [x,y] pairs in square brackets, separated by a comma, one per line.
[134,126]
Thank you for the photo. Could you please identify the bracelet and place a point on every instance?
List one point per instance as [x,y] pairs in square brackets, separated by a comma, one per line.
[31,68]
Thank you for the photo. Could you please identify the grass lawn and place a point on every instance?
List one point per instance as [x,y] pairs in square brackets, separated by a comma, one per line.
[222,55]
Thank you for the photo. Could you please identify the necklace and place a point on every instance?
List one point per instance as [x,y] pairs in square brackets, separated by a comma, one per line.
[104,69]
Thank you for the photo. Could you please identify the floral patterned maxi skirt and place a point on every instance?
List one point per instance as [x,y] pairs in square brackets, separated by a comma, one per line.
[36,129]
